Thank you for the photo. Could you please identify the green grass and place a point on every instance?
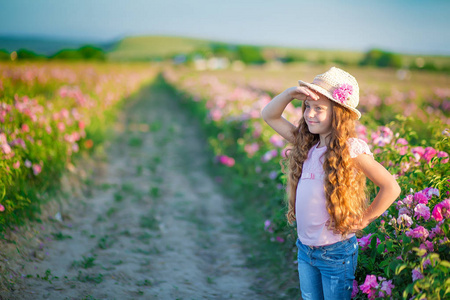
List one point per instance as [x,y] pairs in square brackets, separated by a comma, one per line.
[89,278]
[135,141]
[149,221]
[59,236]
[127,187]
[155,192]
[85,263]
[105,242]
[145,282]
[111,211]
[118,197]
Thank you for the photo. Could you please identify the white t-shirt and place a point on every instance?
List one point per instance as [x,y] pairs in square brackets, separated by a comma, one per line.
[310,204]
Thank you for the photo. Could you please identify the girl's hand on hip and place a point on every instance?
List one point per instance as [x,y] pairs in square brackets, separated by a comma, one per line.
[302,93]
[358,225]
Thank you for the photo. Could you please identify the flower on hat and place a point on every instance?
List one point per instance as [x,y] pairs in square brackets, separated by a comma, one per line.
[343,92]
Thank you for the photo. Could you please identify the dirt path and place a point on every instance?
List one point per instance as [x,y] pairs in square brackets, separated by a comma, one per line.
[154,225]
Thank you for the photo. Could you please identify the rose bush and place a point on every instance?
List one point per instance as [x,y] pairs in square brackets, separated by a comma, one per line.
[49,113]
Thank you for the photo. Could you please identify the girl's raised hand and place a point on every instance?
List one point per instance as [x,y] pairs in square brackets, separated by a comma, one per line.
[272,112]
[302,93]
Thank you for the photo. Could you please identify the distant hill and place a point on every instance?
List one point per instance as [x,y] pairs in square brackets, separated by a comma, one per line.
[151,47]
[46,46]
[146,48]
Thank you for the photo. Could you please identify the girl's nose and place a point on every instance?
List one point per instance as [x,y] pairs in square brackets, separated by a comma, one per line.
[310,113]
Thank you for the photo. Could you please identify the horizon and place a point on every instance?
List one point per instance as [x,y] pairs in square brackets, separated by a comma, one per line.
[94,42]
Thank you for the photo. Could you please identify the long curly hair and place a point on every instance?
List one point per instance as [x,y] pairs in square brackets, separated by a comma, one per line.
[345,187]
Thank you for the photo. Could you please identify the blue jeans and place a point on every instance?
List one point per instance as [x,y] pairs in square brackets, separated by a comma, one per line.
[327,272]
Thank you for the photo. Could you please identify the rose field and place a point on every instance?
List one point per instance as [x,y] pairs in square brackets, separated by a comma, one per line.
[51,114]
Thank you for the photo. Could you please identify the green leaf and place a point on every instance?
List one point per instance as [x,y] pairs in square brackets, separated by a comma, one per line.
[434,257]
[400,268]
[419,252]
[390,245]
[380,248]
[393,265]
[445,263]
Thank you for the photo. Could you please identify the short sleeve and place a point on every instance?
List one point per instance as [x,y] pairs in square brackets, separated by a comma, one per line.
[357,147]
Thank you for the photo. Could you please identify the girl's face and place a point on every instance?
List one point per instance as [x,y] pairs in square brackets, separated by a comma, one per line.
[318,115]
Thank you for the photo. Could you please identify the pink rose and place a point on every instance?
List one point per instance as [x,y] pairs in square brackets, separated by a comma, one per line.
[279,239]
[437,213]
[251,149]
[436,231]
[419,232]
[36,169]
[429,192]
[387,287]
[427,245]
[418,152]
[419,197]
[441,210]
[25,128]
[28,163]
[268,226]
[277,141]
[343,92]
[443,154]
[416,275]
[6,148]
[429,153]
[408,199]
[369,286]
[404,211]
[355,288]
[269,155]
[405,220]
[61,126]
[402,141]
[227,161]
[421,210]
[364,242]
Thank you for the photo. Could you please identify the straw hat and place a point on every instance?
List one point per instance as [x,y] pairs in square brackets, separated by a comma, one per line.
[338,86]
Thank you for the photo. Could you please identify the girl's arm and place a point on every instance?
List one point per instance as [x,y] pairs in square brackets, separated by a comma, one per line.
[389,188]
[272,111]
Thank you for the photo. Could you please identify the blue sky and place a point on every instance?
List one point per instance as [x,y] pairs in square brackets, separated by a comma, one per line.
[408,26]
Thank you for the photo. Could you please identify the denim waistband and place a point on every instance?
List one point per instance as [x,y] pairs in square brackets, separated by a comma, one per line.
[334,245]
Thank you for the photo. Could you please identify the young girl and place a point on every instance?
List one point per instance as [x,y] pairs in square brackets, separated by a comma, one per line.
[328,166]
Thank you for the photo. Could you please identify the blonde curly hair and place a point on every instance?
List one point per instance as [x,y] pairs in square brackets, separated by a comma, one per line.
[345,186]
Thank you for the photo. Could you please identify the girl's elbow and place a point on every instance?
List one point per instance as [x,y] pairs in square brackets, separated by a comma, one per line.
[396,189]
[265,116]
[393,189]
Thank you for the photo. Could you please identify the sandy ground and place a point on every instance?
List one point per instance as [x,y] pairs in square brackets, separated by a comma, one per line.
[152,225]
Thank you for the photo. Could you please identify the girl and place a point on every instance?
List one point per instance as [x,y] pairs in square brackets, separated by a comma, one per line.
[328,166]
